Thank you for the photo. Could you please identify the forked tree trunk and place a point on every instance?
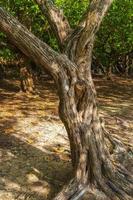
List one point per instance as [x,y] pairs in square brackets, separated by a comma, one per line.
[96,175]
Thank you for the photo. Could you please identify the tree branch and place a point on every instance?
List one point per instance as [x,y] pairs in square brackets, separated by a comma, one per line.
[29,44]
[58,22]
[80,42]
[91,22]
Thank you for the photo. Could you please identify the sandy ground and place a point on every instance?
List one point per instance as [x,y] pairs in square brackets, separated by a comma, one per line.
[34,149]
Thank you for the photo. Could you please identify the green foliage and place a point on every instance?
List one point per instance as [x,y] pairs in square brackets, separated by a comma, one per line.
[114,38]
[27,13]
[6,53]
[73,9]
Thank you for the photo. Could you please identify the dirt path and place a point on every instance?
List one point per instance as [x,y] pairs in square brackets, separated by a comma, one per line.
[116,106]
[34,150]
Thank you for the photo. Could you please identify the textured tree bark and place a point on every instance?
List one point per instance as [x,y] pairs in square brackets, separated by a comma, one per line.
[96,174]
[93,166]
[57,20]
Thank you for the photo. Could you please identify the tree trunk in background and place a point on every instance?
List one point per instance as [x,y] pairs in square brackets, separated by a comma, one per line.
[26,80]
[2,71]
[27,84]
[109,72]
[127,65]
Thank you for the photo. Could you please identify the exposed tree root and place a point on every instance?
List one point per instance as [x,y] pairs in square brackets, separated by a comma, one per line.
[120,151]
[119,187]
[116,140]
[115,183]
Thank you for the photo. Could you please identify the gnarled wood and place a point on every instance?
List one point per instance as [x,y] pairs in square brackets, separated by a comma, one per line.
[84,34]
[94,167]
[96,174]
[58,22]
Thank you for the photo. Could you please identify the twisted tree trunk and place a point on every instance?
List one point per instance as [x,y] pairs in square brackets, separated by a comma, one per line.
[96,174]
[93,165]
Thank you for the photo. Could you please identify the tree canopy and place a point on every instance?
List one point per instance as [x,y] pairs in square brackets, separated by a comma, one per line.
[115,37]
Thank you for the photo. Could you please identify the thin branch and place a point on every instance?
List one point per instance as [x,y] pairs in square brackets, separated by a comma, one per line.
[81,40]
[58,22]
[91,21]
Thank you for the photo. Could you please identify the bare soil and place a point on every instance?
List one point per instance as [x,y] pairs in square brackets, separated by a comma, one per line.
[34,149]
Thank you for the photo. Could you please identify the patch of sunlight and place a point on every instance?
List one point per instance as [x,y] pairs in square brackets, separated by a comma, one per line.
[39,133]
[110,109]
[10,185]
[6,156]
[5,114]
[41,187]
[6,195]
[10,155]
[36,170]
[38,186]
[31,178]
